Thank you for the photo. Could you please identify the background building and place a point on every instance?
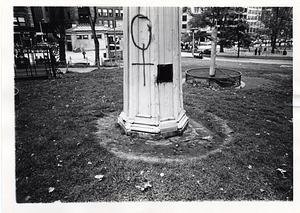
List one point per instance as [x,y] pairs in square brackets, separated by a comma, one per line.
[24,29]
[253,19]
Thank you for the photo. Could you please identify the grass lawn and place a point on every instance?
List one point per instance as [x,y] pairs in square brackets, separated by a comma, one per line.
[59,158]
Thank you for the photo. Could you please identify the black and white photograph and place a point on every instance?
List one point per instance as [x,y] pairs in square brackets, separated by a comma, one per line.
[154,107]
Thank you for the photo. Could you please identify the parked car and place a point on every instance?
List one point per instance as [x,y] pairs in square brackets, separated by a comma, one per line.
[207,51]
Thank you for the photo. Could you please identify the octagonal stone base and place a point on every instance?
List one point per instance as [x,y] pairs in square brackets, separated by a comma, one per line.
[144,128]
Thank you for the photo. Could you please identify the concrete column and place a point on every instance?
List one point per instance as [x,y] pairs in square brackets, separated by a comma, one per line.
[153,105]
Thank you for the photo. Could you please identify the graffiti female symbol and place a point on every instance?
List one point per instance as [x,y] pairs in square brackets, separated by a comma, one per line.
[144,47]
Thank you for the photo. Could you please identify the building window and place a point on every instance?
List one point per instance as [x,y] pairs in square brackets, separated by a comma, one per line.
[184,18]
[105,12]
[111,23]
[117,12]
[184,26]
[110,12]
[85,37]
[105,23]
[99,36]
[19,21]
[15,21]
[79,36]
[100,12]
[121,13]
[101,22]
[68,37]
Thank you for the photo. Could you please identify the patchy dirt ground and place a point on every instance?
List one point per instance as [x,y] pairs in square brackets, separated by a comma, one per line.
[197,141]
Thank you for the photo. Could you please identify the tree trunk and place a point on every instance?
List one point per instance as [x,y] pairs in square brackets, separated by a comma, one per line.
[96,42]
[212,69]
[62,51]
[221,48]
[238,43]
[62,48]
[273,43]
[97,52]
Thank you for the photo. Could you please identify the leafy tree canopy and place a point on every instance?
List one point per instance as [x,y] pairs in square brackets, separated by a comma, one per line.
[229,21]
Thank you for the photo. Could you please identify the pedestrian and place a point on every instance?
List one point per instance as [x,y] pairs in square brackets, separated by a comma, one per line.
[255,51]
[83,53]
[201,54]
[284,52]
[259,51]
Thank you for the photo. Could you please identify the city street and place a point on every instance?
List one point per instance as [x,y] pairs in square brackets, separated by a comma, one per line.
[74,57]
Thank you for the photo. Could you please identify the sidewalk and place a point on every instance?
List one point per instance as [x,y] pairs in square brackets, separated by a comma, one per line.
[249,57]
[77,57]
[263,59]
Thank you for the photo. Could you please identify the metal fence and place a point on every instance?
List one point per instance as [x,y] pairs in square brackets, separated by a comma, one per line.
[35,62]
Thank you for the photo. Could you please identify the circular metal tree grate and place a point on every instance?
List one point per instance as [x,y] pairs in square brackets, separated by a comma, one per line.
[223,77]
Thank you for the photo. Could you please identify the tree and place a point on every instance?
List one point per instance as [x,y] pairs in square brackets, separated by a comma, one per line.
[186,10]
[59,30]
[238,33]
[212,17]
[93,19]
[278,22]
[230,23]
[209,16]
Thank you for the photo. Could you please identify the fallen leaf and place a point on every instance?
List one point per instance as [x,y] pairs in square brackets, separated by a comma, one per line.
[90,163]
[249,167]
[208,138]
[99,177]
[51,189]
[162,174]
[139,187]
[27,198]
[281,170]
[146,186]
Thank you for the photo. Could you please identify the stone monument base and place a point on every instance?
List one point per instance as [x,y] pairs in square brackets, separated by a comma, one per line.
[143,127]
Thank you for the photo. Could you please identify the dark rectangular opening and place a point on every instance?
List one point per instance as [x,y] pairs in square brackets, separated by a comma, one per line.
[165,73]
